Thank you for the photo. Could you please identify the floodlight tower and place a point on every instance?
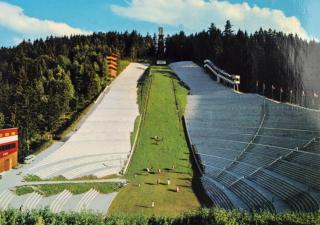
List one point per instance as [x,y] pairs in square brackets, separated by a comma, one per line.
[161,45]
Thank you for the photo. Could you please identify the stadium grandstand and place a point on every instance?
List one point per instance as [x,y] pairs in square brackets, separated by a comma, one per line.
[255,153]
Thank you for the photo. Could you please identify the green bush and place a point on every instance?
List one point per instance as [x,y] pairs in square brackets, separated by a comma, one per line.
[22,190]
[74,188]
[213,216]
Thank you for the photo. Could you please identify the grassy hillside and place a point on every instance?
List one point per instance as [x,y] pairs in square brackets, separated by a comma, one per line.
[161,145]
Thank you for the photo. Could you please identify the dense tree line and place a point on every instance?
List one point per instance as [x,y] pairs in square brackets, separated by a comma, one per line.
[266,56]
[46,82]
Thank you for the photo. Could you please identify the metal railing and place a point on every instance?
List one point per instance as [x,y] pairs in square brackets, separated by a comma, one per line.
[233,80]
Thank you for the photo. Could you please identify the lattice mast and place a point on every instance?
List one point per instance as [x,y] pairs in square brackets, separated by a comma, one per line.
[161,45]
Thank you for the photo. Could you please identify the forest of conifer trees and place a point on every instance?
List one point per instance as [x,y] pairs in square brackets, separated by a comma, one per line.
[46,83]
[266,56]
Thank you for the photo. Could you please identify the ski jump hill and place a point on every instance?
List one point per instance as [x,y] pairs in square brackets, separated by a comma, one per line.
[254,153]
[101,145]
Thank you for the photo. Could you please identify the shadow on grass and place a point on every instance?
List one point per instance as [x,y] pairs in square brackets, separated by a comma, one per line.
[198,188]
[149,183]
[185,178]
[142,174]
[153,172]
[179,172]
[183,159]
[142,206]
[185,185]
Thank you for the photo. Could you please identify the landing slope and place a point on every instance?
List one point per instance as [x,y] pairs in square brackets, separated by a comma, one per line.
[102,143]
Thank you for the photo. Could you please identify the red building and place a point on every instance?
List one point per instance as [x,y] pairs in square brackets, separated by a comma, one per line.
[8,148]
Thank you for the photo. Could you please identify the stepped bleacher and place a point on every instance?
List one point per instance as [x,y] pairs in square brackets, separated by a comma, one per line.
[217,196]
[65,201]
[252,198]
[5,198]
[258,152]
[86,199]
[32,201]
[297,200]
[298,172]
[57,204]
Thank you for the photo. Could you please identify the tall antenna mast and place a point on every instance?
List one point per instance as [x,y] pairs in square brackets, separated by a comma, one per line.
[161,47]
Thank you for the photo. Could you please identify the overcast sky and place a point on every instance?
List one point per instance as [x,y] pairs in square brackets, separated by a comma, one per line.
[30,19]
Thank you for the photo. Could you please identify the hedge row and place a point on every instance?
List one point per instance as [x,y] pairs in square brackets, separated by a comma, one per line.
[214,216]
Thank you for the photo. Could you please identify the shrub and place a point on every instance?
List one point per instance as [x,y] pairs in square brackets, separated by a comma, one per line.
[212,216]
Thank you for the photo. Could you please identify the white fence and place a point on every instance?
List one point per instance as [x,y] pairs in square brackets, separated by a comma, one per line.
[233,80]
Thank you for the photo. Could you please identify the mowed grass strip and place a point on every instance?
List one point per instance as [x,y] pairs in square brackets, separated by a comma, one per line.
[161,145]
[123,65]
[76,188]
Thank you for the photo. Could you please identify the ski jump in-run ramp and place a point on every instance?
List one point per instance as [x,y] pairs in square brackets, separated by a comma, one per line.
[101,145]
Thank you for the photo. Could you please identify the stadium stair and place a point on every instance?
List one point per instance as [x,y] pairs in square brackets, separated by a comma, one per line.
[58,203]
[5,199]
[32,201]
[86,200]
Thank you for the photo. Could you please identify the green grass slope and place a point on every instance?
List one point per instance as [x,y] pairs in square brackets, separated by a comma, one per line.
[161,119]
[161,145]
